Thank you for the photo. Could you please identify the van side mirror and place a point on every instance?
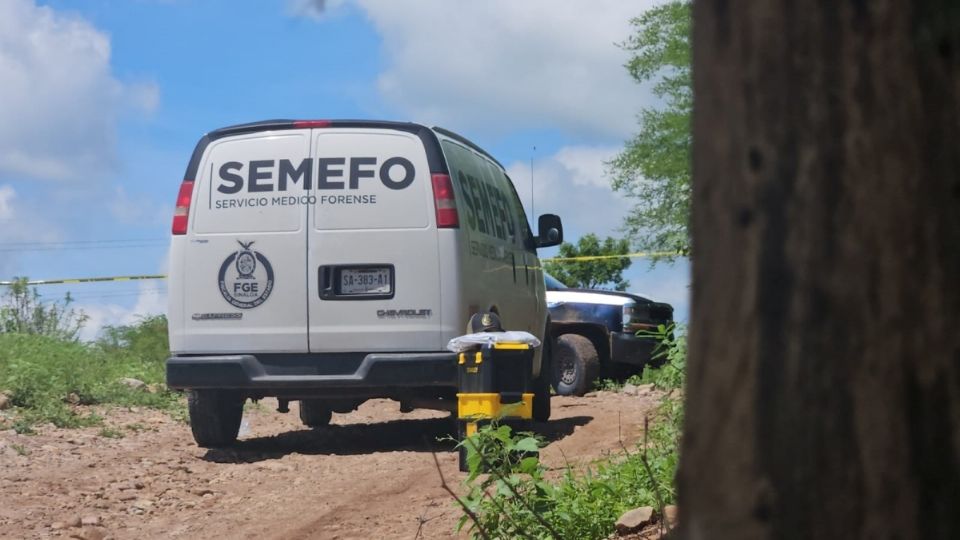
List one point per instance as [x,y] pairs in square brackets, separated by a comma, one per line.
[549,230]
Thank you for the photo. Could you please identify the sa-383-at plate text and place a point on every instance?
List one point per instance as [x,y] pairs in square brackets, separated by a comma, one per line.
[365,281]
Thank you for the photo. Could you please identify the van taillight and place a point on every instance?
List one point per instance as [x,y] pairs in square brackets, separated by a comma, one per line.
[445,202]
[182,210]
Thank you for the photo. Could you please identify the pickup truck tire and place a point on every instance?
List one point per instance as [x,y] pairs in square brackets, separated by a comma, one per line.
[214,417]
[541,385]
[575,366]
[314,414]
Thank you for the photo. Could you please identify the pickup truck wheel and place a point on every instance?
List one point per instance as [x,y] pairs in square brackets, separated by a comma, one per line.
[576,365]
[541,385]
[314,414]
[214,417]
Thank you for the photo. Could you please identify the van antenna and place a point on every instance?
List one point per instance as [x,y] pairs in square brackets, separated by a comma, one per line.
[532,205]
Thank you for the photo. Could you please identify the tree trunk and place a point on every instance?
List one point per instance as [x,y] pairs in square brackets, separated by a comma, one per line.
[823,396]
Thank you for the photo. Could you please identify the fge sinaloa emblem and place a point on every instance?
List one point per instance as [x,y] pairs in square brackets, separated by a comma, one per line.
[246,277]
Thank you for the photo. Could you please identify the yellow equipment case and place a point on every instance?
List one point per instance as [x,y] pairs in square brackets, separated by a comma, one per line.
[494,382]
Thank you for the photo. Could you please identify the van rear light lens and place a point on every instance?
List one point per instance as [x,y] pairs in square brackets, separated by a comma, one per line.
[182,211]
[445,202]
[311,123]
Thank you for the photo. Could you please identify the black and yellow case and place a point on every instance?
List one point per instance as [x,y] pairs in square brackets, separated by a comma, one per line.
[494,381]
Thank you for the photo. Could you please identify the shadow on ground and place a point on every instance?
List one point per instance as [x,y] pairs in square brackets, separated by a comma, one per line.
[423,435]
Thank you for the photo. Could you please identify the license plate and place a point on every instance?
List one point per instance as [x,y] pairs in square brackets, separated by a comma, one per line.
[365,281]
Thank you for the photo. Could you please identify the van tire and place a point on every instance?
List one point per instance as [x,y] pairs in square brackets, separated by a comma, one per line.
[576,365]
[214,417]
[314,414]
[541,385]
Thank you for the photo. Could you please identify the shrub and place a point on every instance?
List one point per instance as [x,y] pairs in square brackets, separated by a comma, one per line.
[670,358]
[23,312]
[47,376]
[514,499]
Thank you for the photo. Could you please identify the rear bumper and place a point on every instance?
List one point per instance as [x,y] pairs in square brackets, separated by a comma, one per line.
[277,374]
[630,349]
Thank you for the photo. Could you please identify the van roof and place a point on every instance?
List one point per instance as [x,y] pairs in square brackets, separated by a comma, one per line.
[430,142]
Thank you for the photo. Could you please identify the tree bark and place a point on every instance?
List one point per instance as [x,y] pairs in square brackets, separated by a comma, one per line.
[823,392]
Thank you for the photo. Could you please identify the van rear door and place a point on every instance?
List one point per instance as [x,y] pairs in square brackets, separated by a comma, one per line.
[373,260]
[245,259]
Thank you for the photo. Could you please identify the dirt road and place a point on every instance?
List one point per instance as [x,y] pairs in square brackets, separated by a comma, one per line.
[370,475]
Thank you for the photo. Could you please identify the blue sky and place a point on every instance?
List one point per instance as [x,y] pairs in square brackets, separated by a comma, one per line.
[102,101]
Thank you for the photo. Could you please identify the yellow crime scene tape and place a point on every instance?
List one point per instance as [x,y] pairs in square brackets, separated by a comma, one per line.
[639,254]
[87,280]
[163,276]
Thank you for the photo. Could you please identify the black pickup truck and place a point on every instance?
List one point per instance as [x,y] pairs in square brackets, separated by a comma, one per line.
[595,332]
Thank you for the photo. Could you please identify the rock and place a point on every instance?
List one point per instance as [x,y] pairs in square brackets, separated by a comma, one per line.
[273,466]
[634,520]
[590,394]
[143,503]
[130,382]
[91,521]
[58,525]
[5,402]
[675,394]
[670,515]
[201,491]
[89,533]
[645,389]
[629,389]
[73,398]
[74,521]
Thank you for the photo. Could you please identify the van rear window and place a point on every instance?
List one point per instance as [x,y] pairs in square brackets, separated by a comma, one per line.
[253,183]
[486,195]
[367,179]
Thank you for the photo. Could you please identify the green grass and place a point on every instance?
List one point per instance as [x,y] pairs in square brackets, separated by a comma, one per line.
[516,499]
[40,372]
[110,433]
[20,449]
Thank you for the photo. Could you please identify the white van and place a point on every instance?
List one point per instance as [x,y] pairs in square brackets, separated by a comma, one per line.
[330,262]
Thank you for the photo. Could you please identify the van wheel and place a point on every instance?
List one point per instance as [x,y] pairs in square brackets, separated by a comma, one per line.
[214,417]
[541,385]
[576,365]
[314,414]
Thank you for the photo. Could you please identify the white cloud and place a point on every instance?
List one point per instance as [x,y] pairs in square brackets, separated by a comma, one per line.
[60,101]
[151,300]
[571,183]
[137,210]
[504,64]
[21,221]
[586,164]
[7,195]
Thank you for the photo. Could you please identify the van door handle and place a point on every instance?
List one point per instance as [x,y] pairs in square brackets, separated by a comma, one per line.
[325,279]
